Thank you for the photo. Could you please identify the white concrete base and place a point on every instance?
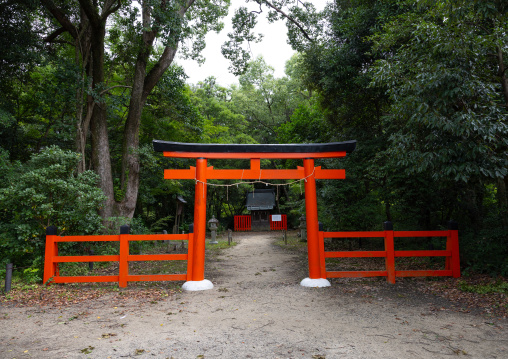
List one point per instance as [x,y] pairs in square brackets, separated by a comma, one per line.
[193,286]
[315,283]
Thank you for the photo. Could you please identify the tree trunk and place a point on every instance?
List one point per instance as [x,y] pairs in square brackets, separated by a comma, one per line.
[388,211]
[502,183]
[142,85]
[101,160]
[82,60]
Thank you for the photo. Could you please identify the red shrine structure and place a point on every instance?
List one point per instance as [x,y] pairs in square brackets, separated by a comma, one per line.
[195,275]
[255,152]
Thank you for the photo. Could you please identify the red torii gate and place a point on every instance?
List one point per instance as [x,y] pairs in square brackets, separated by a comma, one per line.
[255,152]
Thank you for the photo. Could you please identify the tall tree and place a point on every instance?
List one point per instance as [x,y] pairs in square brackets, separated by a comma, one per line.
[87,24]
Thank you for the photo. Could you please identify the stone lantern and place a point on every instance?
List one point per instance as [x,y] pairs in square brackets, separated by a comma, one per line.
[212,225]
[303,228]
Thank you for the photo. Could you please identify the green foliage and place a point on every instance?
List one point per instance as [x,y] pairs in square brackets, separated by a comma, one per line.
[302,20]
[74,269]
[418,86]
[43,192]
[497,287]
[307,125]
[266,102]
[32,275]
[445,117]
[221,123]
[485,252]
[220,245]
[40,110]
[244,22]
[18,41]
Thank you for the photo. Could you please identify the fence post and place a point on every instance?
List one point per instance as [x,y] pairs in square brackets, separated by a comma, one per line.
[452,244]
[190,252]
[390,252]
[123,264]
[322,259]
[90,264]
[51,251]
[8,277]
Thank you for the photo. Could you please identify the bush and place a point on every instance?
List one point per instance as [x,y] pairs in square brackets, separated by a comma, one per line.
[486,252]
[46,191]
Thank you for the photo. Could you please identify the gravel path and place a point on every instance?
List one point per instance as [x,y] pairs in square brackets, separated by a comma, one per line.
[257,309]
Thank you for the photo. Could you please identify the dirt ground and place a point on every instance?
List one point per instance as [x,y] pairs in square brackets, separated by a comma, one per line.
[257,309]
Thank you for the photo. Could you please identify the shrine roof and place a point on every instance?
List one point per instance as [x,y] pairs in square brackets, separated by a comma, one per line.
[168,146]
[260,199]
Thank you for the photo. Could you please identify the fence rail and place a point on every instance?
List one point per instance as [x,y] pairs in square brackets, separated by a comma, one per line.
[52,274]
[279,225]
[451,253]
[243,223]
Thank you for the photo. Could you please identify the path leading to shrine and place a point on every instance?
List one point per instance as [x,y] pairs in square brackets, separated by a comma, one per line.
[258,310]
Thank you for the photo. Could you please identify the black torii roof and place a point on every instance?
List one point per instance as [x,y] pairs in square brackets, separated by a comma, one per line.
[168,146]
[261,199]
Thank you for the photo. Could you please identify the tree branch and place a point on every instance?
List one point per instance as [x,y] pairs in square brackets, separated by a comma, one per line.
[112,87]
[91,12]
[184,9]
[164,61]
[60,17]
[290,18]
[55,34]
[158,70]
[63,42]
[105,14]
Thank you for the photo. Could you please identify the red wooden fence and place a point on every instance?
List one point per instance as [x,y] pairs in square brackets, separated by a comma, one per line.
[52,258]
[243,223]
[279,225]
[452,263]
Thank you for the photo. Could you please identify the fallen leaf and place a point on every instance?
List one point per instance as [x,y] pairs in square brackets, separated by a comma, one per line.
[87,350]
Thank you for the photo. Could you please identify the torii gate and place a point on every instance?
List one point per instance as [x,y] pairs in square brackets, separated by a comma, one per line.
[255,152]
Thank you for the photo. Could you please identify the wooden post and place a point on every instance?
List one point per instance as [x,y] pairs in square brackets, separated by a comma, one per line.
[312,219]
[452,244]
[190,254]
[8,277]
[123,264]
[51,251]
[322,259]
[390,252]
[198,270]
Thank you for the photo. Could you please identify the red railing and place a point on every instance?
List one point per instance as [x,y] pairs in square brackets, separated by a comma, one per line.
[278,225]
[452,262]
[243,223]
[51,272]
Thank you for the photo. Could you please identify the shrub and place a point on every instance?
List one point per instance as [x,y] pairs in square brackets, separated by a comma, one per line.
[42,192]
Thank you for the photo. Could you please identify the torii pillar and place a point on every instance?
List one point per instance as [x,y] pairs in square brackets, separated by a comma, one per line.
[255,152]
